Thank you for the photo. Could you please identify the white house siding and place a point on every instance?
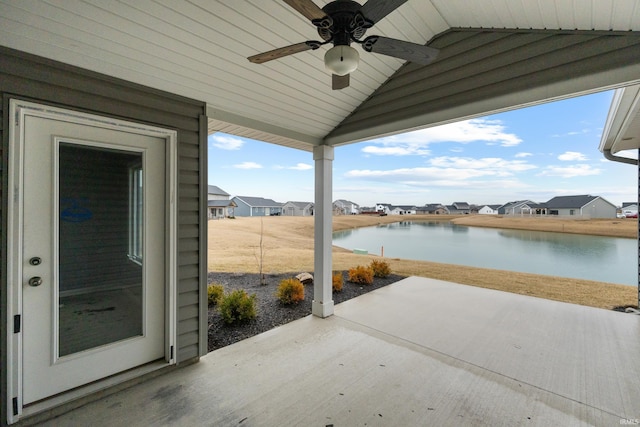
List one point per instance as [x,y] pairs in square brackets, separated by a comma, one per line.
[383,208]
[486,210]
[345,207]
[400,211]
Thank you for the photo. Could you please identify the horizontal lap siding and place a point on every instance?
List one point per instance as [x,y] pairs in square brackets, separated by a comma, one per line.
[50,82]
[475,65]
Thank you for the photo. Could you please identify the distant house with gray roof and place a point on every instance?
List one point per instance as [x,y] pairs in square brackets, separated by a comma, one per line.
[432,209]
[582,206]
[297,209]
[218,203]
[518,207]
[459,208]
[256,206]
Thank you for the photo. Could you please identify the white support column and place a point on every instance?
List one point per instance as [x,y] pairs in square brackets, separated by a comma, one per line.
[322,305]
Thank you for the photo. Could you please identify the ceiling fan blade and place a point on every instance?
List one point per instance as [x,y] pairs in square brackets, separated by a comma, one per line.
[375,10]
[408,51]
[339,82]
[283,51]
[307,8]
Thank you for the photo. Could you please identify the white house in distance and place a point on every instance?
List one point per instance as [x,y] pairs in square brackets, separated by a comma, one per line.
[488,210]
[345,207]
[584,205]
[297,209]
[389,209]
[629,208]
[404,210]
[218,203]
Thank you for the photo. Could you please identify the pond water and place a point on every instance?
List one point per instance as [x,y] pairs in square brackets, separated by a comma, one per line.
[604,259]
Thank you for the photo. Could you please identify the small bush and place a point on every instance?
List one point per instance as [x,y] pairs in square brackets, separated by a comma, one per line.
[290,291]
[380,268]
[361,275]
[337,281]
[215,292]
[237,306]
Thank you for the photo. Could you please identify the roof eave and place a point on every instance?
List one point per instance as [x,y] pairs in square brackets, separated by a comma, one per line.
[622,115]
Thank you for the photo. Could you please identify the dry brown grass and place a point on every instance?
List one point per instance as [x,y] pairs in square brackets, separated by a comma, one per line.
[288,244]
[597,227]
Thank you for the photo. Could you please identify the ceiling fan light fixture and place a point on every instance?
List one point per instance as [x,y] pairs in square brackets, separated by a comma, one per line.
[341,60]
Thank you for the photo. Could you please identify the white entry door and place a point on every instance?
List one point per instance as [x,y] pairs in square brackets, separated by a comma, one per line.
[92,252]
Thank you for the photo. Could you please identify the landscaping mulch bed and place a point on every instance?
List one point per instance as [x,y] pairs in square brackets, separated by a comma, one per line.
[270,312]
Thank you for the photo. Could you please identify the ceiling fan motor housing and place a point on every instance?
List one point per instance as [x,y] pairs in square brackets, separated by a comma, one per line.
[346,23]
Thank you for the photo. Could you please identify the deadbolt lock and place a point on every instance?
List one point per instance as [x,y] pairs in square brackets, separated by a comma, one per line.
[35,261]
[35,281]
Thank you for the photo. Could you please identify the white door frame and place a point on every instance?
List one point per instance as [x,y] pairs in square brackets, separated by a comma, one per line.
[18,110]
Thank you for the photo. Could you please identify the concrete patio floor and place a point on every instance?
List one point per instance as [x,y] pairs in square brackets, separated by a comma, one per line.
[420,352]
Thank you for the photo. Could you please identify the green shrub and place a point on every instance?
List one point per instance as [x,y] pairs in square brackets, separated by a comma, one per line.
[380,268]
[361,275]
[215,292]
[237,306]
[290,291]
[336,281]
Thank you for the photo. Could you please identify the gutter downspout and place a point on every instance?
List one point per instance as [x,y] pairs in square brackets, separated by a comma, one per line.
[609,156]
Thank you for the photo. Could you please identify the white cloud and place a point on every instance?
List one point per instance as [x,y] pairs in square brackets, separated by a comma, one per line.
[247,165]
[571,133]
[409,174]
[522,155]
[396,150]
[297,167]
[301,167]
[570,171]
[572,156]
[226,142]
[448,172]
[496,164]
[417,142]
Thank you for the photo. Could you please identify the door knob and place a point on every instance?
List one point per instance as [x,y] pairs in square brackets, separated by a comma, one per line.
[35,281]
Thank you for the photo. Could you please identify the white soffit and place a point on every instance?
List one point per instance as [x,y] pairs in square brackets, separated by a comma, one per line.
[198,49]
[622,128]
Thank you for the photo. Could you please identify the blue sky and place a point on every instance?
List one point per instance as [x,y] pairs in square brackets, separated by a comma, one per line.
[534,153]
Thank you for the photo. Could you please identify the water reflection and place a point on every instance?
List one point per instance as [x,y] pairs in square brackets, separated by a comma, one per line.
[597,258]
[580,245]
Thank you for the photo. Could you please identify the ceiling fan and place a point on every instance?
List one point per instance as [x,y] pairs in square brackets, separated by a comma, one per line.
[342,22]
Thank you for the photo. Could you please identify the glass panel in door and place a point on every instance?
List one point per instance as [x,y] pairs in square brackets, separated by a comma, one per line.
[100,293]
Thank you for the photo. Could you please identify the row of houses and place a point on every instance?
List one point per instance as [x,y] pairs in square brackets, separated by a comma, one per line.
[222,205]
[580,205]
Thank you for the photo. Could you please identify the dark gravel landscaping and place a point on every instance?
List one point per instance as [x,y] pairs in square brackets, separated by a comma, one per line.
[270,312]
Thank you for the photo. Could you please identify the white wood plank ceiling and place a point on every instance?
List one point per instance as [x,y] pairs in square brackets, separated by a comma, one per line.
[198,49]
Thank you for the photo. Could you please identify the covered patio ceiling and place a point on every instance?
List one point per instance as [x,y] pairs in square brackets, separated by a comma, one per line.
[495,55]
